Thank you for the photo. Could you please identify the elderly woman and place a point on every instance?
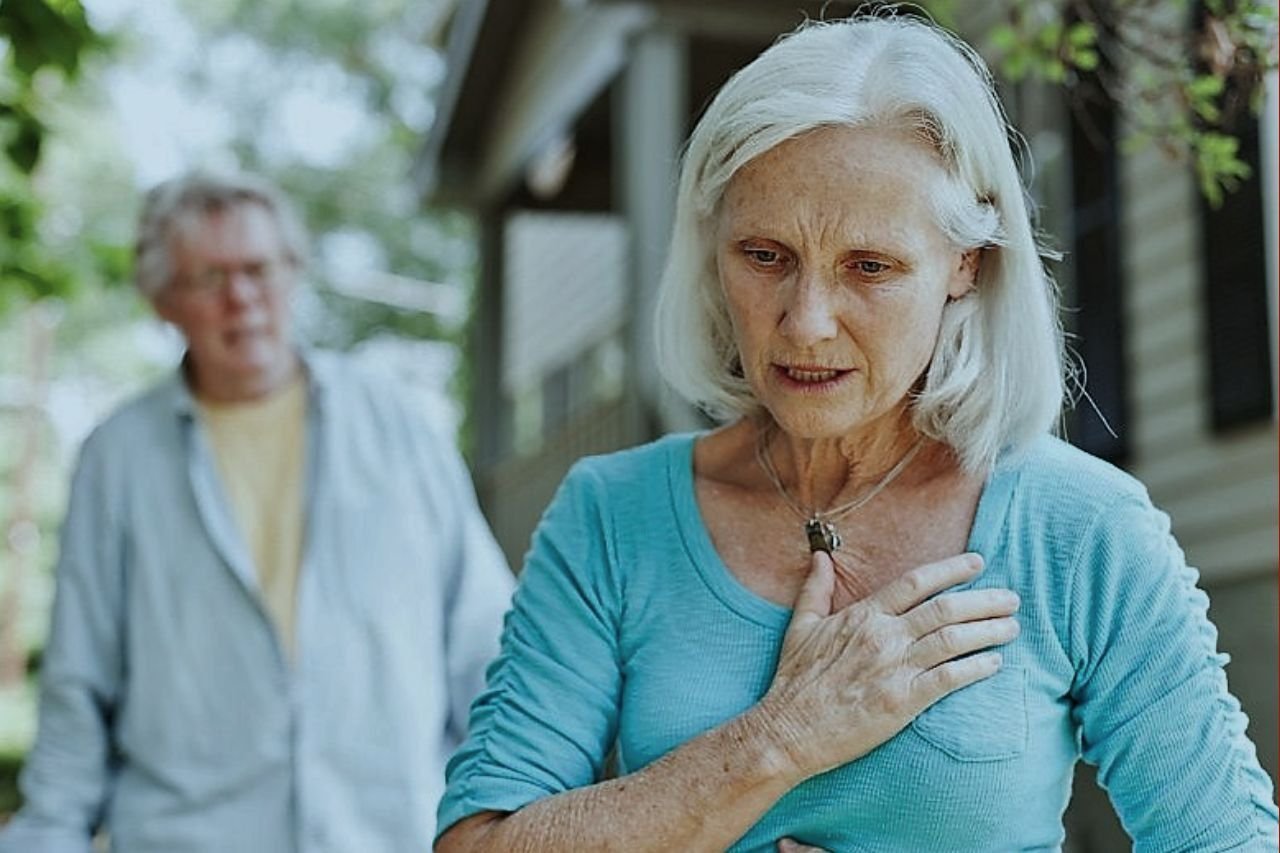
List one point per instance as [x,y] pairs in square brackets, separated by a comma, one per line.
[799,628]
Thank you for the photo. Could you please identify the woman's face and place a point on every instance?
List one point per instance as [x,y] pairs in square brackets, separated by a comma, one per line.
[835,274]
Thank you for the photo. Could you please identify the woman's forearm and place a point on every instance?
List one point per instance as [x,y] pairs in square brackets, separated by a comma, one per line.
[704,795]
[845,683]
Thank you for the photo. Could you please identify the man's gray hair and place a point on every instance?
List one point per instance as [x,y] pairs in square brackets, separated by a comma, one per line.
[995,381]
[173,207]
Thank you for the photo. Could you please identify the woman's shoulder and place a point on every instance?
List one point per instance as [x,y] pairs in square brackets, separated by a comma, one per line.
[1081,528]
[643,465]
[1059,494]
[608,502]
[1050,469]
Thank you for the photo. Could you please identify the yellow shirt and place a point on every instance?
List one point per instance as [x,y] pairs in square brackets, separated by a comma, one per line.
[260,448]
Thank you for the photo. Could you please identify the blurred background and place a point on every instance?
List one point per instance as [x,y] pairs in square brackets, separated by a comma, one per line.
[489,184]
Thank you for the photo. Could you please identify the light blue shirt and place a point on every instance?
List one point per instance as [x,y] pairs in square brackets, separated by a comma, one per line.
[628,629]
[169,714]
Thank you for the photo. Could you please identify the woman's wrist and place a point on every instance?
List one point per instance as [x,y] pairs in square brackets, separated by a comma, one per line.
[778,743]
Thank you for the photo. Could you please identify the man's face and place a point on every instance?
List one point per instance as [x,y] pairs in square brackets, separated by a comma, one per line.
[229,296]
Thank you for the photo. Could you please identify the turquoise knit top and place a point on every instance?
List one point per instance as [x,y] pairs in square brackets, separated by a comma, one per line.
[628,630]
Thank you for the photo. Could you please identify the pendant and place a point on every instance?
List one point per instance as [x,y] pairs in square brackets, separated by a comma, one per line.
[822,536]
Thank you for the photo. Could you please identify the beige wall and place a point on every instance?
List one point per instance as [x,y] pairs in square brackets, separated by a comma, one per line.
[1221,490]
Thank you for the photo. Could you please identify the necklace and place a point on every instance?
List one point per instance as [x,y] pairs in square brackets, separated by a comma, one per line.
[819,525]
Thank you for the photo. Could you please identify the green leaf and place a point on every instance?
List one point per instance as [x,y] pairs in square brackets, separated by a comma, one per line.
[24,146]
[1015,66]
[114,261]
[1206,86]
[1218,165]
[1082,35]
[1003,38]
[1049,36]
[46,33]
[1085,60]
[1054,70]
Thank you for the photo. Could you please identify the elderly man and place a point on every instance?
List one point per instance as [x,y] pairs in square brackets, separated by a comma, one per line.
[276,595]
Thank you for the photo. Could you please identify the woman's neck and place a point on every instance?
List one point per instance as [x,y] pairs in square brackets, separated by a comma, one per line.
[820,473]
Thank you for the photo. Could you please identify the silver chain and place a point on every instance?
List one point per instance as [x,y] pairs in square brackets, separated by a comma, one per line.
[830,515]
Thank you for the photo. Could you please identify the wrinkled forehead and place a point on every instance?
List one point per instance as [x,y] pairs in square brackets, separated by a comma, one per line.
[841,178]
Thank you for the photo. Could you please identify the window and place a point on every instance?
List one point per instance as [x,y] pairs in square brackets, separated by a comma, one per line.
[1098,322]
[1235,287]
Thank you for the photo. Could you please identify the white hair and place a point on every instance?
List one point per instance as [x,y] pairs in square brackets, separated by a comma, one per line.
[177,205]
[995,381]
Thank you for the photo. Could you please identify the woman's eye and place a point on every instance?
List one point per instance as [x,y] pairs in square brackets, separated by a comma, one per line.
[763,257]
[869,267]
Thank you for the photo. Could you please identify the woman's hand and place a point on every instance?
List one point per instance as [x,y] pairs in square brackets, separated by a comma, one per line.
[787,845]
[846,682]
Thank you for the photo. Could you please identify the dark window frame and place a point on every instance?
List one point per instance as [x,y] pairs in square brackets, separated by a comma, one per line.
[1096,324]
[1233,283]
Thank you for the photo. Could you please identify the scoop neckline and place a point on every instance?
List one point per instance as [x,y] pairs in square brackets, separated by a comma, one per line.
[733,593]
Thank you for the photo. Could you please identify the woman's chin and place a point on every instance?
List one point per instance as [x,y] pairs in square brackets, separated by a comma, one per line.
[815,423]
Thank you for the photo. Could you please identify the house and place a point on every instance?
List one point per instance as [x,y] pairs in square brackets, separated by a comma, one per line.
[560,126]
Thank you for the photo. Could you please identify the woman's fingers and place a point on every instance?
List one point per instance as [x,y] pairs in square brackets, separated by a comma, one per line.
[787,845]
[853,679]
[967,605]
[953,641]
[814,601]
[928,580]
[932,684]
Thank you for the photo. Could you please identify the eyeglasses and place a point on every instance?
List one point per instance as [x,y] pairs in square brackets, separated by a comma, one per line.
[264,275]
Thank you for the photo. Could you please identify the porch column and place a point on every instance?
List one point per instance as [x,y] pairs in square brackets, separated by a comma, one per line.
[652,116]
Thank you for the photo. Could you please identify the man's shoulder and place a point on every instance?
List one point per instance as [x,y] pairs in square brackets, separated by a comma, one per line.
[352,380]
[341,372]
[379,411]
[139,415]
[141,432]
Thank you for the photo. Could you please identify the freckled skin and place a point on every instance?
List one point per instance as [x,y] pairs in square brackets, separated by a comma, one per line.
[829,258]
[828,254]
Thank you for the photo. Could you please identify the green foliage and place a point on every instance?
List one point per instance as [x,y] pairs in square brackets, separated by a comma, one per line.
[27,270]
[1219,169]
[1181,89]
[43,44]
[366,51]
[10,799]
[306,31]
[1202,95]
[45,34]
[1047,52]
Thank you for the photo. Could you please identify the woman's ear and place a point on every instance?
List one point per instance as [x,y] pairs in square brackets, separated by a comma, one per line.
[964,277]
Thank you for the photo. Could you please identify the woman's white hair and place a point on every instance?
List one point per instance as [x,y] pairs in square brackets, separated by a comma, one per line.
[995,381]
[179,205]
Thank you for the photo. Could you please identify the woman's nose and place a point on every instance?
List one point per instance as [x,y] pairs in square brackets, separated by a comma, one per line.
[810,313]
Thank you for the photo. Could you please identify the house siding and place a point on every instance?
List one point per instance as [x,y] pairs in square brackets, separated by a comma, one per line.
[1220,490]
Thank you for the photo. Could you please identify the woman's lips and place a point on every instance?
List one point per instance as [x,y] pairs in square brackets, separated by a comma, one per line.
[810,377]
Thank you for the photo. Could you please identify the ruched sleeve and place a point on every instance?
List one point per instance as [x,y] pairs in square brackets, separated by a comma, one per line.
[547,717]
[1150,693]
